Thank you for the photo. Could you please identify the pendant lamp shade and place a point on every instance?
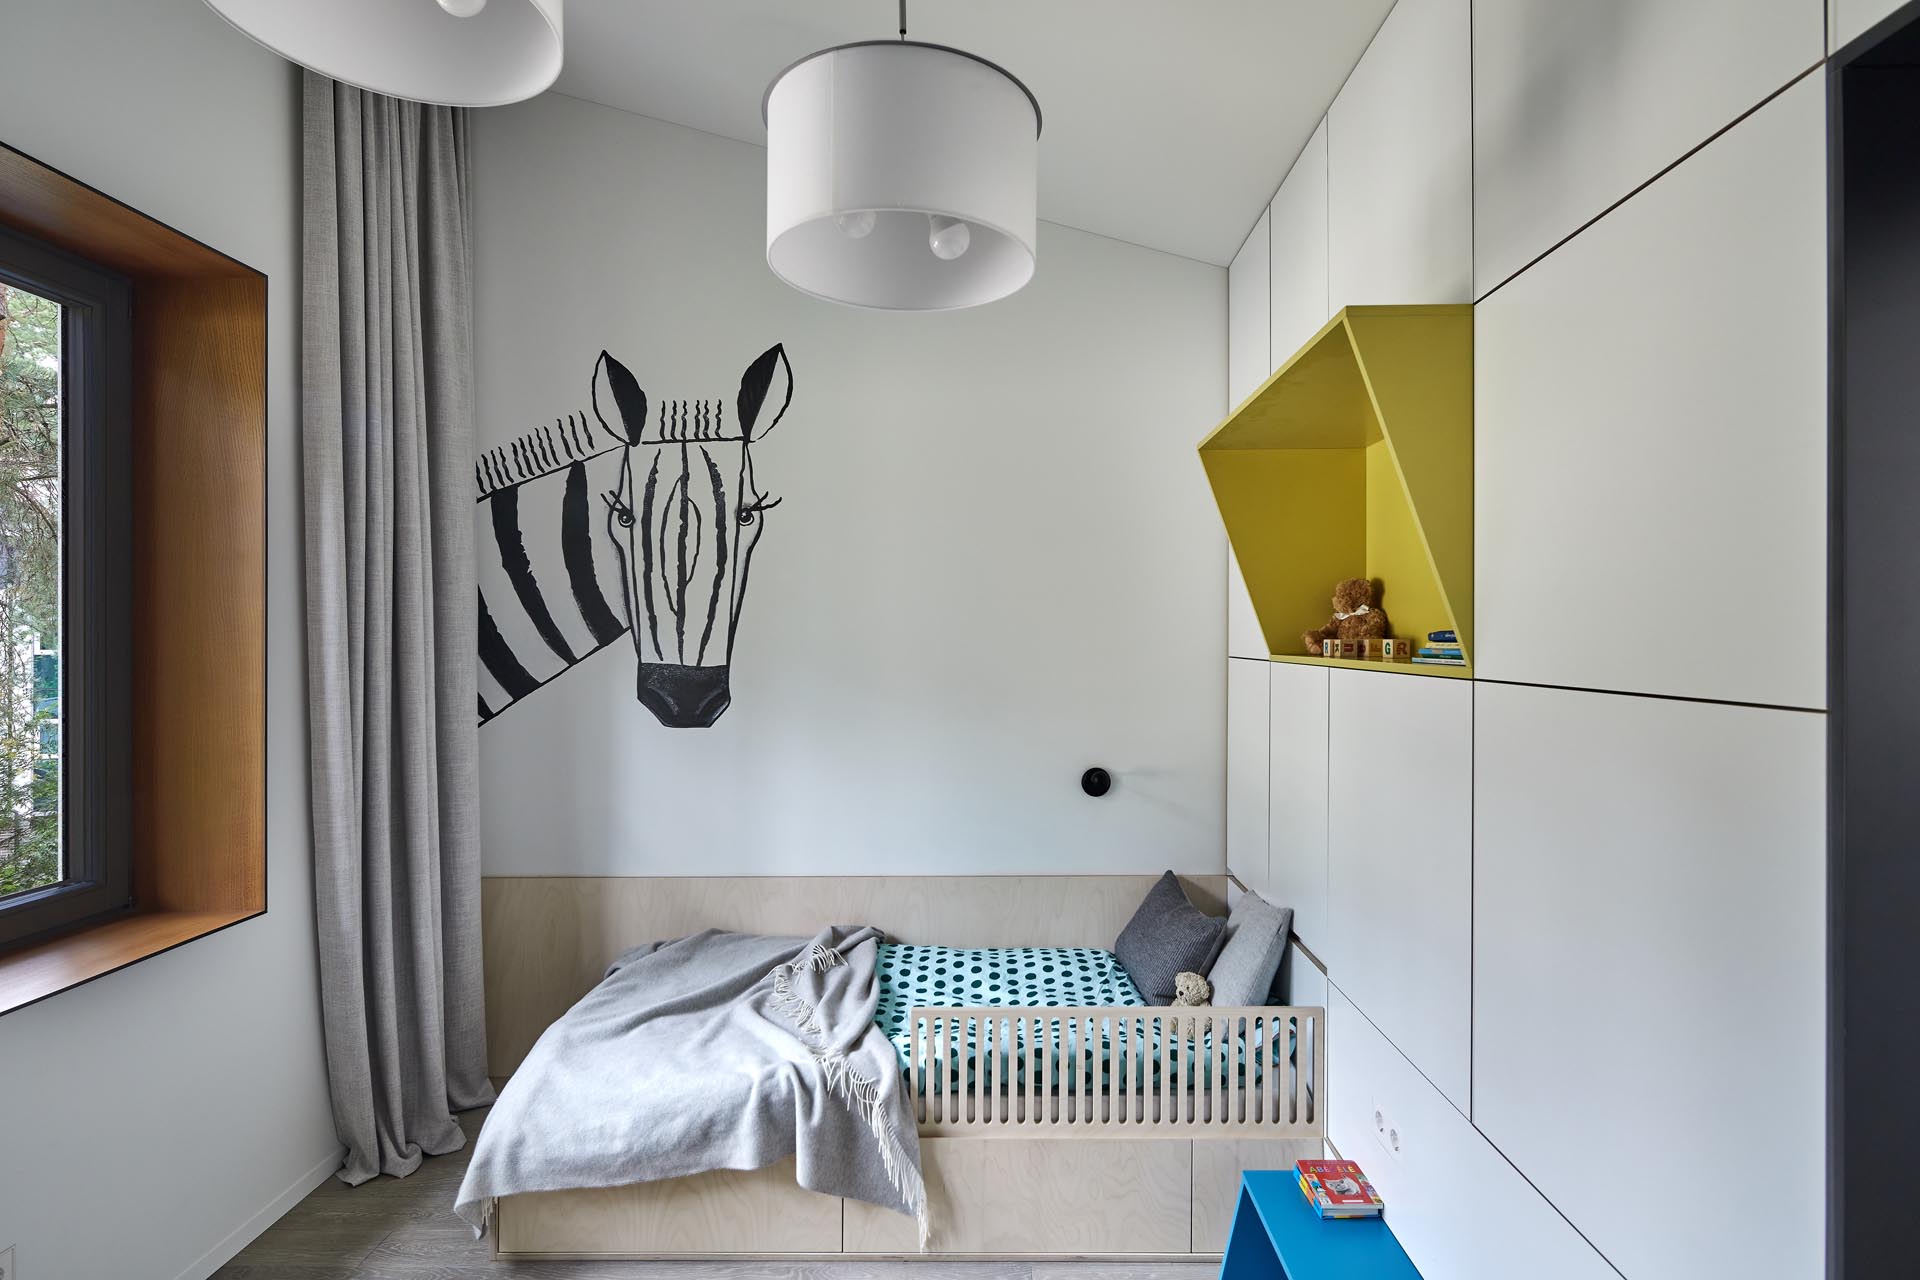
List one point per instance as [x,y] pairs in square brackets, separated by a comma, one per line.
[502,51]
[901,176]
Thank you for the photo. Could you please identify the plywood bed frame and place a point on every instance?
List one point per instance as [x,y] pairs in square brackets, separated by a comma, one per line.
[1108,1155]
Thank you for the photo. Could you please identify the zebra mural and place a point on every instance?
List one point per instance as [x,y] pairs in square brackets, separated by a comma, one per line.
[681,513]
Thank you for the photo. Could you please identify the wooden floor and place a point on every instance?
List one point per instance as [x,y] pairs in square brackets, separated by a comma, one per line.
[405,1229]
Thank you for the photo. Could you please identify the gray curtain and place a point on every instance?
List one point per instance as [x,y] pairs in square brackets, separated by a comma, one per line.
[387,418]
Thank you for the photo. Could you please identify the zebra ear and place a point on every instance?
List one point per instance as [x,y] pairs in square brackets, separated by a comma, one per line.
[767,379]
[612,382]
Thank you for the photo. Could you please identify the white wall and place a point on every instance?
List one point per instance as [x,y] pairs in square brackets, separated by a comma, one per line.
[159,1117]
[997,561]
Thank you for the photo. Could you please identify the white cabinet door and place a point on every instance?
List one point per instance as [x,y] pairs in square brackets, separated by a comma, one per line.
[1249,348]
[1297,245]
[1851,18]
[1459,1210]
[1247,770]
[1575,105]
[1400,863]
[1301,981]
[1249,361]
[1297,796]
[1649,971]
[1650,434]
[1400,163]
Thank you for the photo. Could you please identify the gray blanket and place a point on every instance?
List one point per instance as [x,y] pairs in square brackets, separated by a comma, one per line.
[719,1051]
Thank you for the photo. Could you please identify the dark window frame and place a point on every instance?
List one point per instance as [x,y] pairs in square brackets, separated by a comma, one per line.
[96,788]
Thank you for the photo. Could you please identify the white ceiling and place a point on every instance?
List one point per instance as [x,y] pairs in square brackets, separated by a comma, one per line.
[1167,122]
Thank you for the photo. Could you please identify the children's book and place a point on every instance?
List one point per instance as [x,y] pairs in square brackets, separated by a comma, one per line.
[1338,1189]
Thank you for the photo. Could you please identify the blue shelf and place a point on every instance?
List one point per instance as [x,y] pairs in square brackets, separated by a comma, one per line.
[1277,1236]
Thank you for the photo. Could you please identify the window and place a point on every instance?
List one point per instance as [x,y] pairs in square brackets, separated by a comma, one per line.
[65,857]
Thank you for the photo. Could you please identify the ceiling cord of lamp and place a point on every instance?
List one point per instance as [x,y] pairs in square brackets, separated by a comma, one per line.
[901,176]
[457,53]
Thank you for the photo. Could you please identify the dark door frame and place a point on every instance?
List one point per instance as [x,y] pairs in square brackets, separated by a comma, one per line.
[1873,691]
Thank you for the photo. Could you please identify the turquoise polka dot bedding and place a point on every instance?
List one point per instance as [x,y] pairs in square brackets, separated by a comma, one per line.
[921,977]
[1015,977]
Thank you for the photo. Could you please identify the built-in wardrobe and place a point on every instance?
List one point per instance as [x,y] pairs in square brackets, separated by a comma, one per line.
[1568,915]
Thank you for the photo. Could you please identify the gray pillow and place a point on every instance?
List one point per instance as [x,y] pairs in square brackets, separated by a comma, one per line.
[1256,942]
[1167,936]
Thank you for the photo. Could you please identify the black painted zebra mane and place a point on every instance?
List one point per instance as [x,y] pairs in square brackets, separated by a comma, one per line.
[688,421]
[540,452]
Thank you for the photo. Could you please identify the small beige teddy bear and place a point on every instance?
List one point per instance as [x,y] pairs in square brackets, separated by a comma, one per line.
[1191,989]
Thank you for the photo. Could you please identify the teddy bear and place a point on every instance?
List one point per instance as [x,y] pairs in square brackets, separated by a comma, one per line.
[1191,989]
[1354,617]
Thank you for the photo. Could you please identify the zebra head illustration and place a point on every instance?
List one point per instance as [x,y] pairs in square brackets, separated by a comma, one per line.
[681,515]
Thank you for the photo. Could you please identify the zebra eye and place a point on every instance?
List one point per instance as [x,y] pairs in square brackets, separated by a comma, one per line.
[621,511]
[750,512]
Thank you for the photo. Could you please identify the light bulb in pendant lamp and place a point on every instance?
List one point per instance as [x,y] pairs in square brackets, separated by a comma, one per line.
[947,237]
[499,51]
[901,176]
[857,224]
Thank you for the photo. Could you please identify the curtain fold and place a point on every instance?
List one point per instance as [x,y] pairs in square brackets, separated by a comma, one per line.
[387,423]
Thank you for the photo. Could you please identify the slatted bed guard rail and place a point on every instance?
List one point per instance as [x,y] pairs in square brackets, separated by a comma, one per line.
[1118,1072]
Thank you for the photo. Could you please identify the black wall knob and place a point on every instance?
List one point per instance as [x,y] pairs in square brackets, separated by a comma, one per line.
[1096,781]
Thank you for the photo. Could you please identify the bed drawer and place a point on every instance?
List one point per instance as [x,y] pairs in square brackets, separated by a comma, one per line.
[1038,1197]
[1217,1166]
[762,1211]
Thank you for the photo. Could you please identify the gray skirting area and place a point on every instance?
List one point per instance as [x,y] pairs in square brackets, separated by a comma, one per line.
[405,1229]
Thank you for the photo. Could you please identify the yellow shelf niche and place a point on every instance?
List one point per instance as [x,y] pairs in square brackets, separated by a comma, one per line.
[1356,459]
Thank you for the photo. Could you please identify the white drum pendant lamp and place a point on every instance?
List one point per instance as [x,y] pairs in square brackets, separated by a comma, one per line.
[901,176]
[457,53]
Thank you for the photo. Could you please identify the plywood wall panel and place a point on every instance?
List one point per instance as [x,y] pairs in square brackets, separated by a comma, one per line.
[548,939]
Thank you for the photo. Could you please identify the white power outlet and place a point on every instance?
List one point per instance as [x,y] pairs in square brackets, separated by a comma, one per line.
[6,1263]
[1386,1131]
